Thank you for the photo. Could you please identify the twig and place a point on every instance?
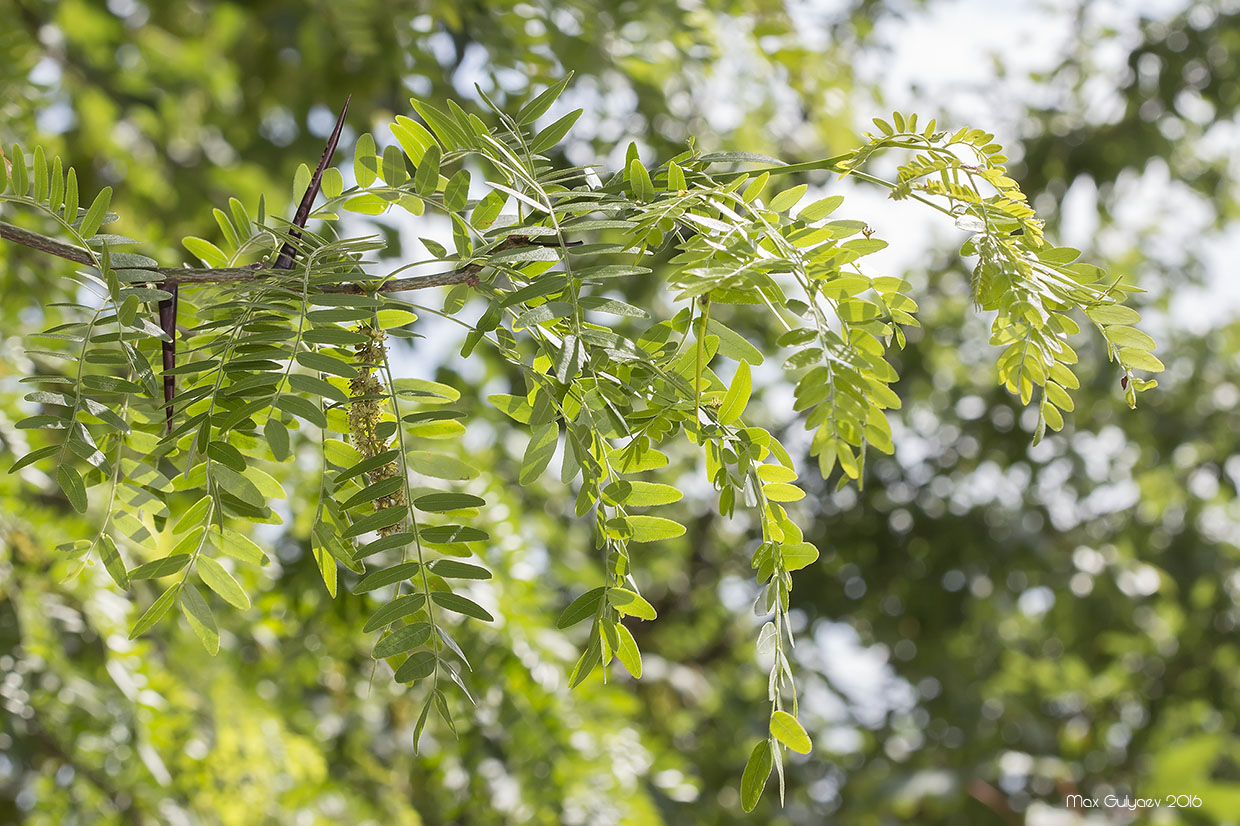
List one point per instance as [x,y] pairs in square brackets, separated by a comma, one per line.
[993,799]
[230,275]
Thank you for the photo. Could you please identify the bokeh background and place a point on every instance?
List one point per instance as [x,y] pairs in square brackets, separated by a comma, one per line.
[991,627]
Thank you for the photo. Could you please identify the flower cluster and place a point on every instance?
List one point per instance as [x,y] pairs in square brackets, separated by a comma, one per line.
[366,415]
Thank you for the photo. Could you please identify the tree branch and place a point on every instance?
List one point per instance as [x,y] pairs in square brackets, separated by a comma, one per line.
[229,275]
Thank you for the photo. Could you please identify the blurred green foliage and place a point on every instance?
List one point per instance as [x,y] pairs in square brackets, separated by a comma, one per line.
[991,627]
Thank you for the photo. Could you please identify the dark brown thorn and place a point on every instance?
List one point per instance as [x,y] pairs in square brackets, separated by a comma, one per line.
[168,323]
[287,252]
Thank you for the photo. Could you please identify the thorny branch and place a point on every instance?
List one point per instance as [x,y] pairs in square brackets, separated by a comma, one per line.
[228,275]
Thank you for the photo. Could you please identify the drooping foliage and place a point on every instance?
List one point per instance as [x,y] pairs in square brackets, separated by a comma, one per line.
[293,365]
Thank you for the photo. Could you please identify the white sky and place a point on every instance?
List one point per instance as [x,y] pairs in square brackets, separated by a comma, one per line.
[946,56]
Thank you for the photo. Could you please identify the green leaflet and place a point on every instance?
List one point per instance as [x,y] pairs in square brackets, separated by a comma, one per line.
[461,605]
[394,610]
[1113,314]
[392,166]
[373,491]
[326,364]
[303,409]
[387,576]
[627,652]
[240,547]
[638,494]
[645,528]
[316,386]
[198,613]
[538,452]
[445,502]
[277,438]
[205,251]
[153,614]
[737,397]
[582,607]
[325,559]
[787,199]
[732,344]
[112,561]
[385,518]
[543,101]
[757,770]
[452,533]
[515,407]
[40,174]
[675,178]
[426,179]
[413,138]
[402,639]
[70,482]
[454,569]
[554,133]
[440,466]
[639,179]
[419,666]
[94,216]
[426,392]
[344,454]
[239,486]
[217,578]
[786,729]
[820,209]
[798,556]
[227,455]
[167,566]
[586,664]
[611,306]
[541,315]
[636,459]
[630,603]
[384,543]
[782,492]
